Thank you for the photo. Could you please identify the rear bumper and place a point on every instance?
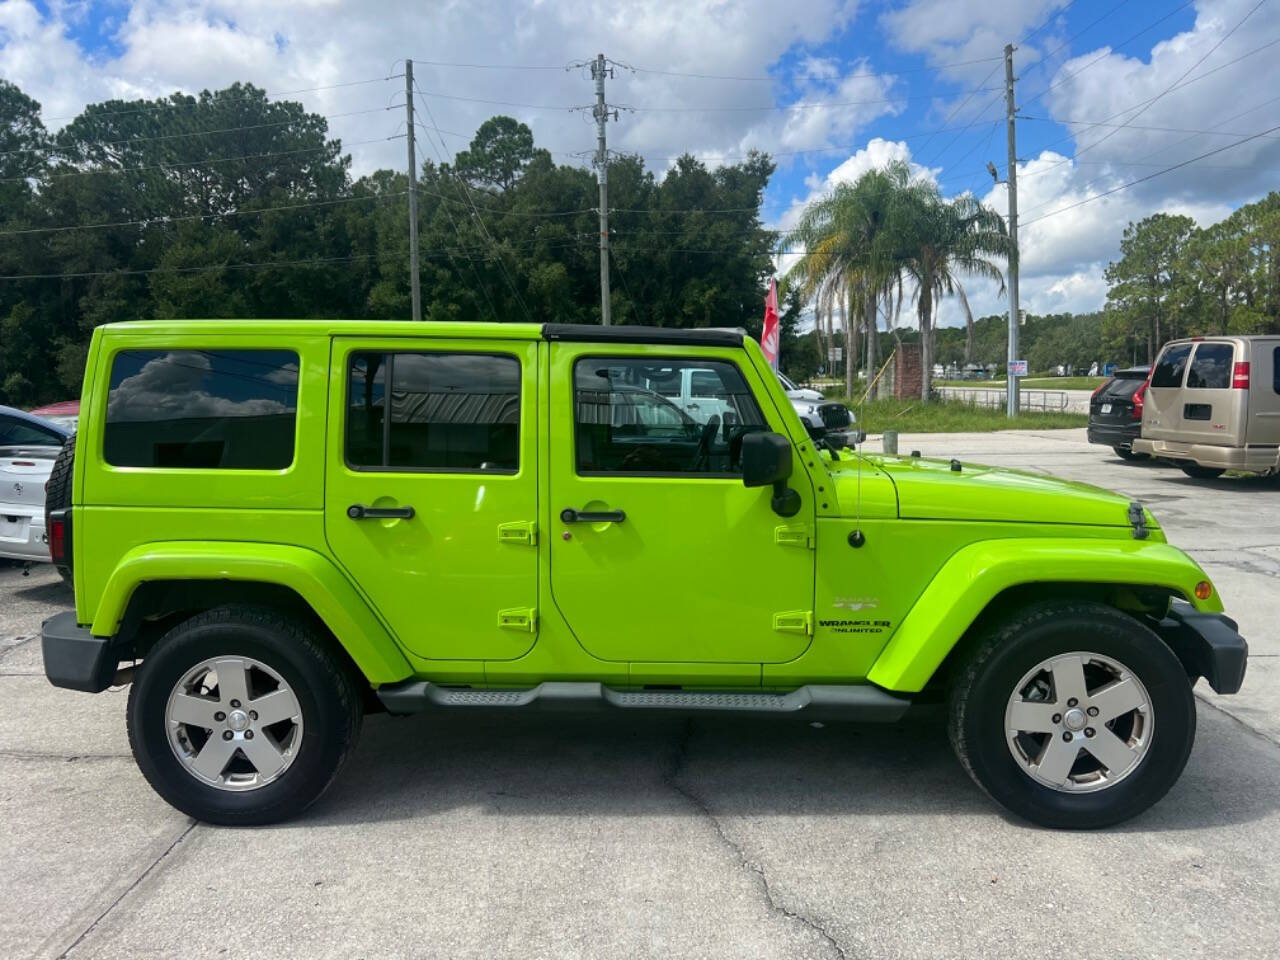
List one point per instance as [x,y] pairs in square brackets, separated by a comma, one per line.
[22,534]
[1208,645]
[1114,434]
[1254,459]
[74,658]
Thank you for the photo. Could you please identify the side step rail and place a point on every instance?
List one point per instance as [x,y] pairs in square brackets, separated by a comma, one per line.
[841,701]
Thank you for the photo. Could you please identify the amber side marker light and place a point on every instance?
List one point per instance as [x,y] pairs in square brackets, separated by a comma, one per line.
[1204,590]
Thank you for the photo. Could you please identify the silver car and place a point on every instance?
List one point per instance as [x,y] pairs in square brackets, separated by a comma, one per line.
[28,448]
[821,416]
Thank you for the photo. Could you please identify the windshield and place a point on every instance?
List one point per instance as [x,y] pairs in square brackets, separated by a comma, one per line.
[786,383]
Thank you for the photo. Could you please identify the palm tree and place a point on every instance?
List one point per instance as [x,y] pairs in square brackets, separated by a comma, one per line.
[845,261]
[938,241]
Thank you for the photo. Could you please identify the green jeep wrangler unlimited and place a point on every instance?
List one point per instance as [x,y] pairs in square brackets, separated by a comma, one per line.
[278,525]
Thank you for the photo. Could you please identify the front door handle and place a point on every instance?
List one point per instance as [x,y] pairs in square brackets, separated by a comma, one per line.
[570,515]
[358,511]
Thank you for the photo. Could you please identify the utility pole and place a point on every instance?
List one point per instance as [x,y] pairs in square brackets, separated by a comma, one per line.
[1011,109]
[599,67]
[414,279]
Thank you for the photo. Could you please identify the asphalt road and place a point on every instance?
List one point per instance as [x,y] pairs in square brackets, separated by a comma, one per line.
[549,837]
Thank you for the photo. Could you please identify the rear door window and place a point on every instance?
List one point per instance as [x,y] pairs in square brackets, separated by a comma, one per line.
[449,412]
[1171,366]
[1211,367]
[202,409]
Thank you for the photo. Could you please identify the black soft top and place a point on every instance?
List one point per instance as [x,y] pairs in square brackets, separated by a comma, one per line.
[678,336]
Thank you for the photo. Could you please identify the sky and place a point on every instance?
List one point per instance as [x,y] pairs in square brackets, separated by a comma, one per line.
[1109,92]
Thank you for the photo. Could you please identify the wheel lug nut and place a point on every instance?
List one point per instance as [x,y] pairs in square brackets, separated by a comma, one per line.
[248,734]
[1057,718]
[1070,703]
[219,716]
[1066,735]
[235,704]
[1093,711]
[253,714]
[227,734]
[1089,731]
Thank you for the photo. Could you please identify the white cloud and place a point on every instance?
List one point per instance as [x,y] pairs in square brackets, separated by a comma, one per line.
[165,45]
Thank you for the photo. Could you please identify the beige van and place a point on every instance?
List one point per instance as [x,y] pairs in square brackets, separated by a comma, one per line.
[1213,404]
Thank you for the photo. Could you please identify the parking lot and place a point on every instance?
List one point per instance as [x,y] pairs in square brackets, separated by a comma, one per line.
[639,837]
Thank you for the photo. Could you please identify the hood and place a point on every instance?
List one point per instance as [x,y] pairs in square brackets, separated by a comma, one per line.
[931,489]
[806,394]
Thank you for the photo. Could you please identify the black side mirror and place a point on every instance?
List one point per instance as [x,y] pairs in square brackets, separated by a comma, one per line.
[766,460]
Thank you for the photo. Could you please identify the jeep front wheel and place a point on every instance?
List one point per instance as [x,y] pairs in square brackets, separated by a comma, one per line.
[1072,714]
[242,716]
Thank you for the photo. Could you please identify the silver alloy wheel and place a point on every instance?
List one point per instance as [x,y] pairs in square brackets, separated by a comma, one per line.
[234,723]
[1079,722]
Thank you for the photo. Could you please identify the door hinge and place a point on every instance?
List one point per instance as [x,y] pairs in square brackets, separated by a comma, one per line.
[519,618]
[518,531]
[794,536]
[794,621]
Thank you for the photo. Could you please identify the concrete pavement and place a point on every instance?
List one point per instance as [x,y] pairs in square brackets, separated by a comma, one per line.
[647,837]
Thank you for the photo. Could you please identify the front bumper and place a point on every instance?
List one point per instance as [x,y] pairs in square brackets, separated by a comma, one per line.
[1252,459]
[22,534]
[1208,645]
[74,658]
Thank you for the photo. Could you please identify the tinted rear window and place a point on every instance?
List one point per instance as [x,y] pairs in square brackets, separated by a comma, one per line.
[1211,367]
[1172,364]
[202,409]
[1120,389]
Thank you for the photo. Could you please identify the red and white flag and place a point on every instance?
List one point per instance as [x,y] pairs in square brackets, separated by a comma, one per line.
[769,336]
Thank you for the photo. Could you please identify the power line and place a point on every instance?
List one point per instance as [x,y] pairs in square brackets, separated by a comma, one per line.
[444,149]
[1178,86]
[161,221]
[800,105]
[114,171]
[1150,103]
[216,101]
[200,133]
[1150,176]
[1129,126]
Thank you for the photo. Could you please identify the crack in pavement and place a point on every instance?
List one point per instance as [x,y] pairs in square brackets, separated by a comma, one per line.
[1251,729]
[61,757]
[50,946]
[671,778]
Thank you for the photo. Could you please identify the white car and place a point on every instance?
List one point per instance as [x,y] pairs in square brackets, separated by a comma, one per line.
[823,417]
[28,447]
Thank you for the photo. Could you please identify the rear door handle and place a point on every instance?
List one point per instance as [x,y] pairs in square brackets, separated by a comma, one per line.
[570,515]
[358,511]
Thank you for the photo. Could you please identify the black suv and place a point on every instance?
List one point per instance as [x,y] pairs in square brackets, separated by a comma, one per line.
[1115,411]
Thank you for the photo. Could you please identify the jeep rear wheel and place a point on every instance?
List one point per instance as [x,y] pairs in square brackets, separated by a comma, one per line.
[242,716]
[1072,714]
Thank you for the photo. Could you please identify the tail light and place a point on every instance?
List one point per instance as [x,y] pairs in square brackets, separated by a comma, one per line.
[1139,397]
[1098,389]
[1240,376]
[58,537]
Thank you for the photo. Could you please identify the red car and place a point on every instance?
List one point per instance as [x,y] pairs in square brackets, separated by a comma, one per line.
[65,413]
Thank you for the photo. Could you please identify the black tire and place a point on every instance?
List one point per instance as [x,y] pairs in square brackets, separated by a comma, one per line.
[327,694]
[1197,472]
[1124,453]
[1007,650]
[57,490]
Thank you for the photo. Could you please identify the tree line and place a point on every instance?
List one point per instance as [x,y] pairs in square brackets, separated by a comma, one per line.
[1175,279]
[228,204]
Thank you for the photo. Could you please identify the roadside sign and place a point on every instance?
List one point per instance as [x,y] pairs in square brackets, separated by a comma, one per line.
[1017,368]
